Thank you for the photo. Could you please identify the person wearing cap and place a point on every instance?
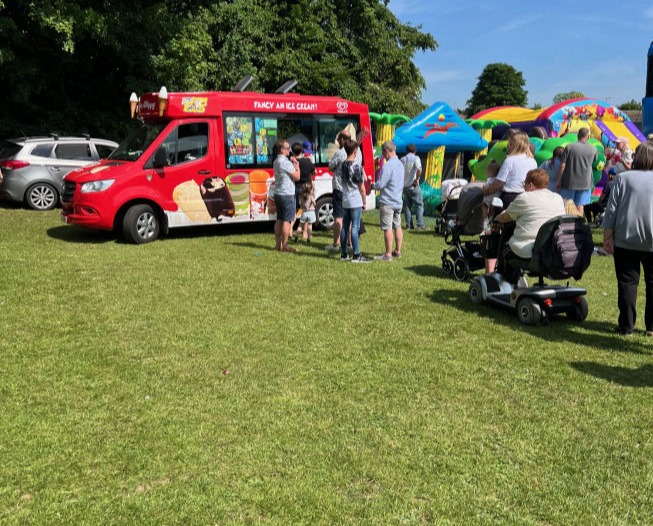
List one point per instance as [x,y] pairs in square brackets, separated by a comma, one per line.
[575,178]
[626,160]
[412,191]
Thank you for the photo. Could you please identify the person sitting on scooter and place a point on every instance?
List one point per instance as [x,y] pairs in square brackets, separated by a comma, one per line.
[523,218]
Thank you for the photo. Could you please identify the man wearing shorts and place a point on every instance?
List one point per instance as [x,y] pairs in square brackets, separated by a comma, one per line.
[390,186]
[286,172]
[575,173]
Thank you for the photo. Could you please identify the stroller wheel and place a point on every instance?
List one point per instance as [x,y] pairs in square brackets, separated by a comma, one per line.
[447,265]
[461,269]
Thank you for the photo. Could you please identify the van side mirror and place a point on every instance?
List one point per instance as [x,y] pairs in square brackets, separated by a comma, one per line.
[160,159]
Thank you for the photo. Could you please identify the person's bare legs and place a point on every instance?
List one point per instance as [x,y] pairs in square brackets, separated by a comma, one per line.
[277,234]
[388,238]
[286,228]
[399,239]
[337,227]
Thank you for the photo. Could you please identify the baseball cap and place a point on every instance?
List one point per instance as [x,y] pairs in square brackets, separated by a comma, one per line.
[308,147]
[620,140]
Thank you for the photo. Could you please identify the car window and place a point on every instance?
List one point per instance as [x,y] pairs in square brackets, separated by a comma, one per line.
[73,151]
[8,149]
[42,150]
[103,150]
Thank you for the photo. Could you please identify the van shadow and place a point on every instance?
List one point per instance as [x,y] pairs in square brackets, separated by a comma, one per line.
[74,234]
[595,334]
[639,377]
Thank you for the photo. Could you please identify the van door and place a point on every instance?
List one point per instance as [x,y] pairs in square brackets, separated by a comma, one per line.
[187,178]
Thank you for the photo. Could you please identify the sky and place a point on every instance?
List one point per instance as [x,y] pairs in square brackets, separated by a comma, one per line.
[596,47]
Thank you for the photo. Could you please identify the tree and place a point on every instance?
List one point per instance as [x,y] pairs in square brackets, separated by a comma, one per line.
[561,97]
[70,65]
[632,105]
[498,85]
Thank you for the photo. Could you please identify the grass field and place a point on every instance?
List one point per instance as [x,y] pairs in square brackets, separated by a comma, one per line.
[206,379]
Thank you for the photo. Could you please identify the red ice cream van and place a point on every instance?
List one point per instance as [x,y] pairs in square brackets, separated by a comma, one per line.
[206,158]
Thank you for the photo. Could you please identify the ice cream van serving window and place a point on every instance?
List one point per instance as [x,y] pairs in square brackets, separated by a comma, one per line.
[249,138]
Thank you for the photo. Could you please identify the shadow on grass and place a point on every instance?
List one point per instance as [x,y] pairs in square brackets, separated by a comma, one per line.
[639,377]
[595,334]
[430,271]
[75,234]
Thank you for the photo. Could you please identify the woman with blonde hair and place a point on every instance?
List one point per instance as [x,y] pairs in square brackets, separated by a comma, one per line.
[511,176]
[628,234]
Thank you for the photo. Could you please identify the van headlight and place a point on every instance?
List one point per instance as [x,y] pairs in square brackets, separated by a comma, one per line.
[96,186]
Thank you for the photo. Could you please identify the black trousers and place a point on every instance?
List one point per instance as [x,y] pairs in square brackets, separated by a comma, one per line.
[627,268]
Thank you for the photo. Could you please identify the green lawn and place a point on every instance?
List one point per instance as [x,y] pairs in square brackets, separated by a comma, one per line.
[206,379]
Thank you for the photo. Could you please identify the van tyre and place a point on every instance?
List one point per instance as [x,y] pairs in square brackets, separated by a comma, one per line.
[141,224]
[529,311]
[41,196]
[324,213]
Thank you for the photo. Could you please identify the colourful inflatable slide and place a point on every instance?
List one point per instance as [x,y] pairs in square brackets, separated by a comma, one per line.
[614,129]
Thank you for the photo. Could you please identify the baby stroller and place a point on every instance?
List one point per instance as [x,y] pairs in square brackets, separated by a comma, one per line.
[463,257]
[448,209]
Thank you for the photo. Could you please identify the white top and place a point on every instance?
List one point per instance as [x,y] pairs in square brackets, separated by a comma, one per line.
[412,164]
[531,210]
[513,172]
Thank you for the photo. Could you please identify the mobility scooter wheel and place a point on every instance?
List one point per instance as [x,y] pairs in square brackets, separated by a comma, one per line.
[475,292]
[529,312]
[579,311]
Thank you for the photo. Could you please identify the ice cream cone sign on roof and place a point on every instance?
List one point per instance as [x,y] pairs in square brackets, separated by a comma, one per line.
[163,100]
[133,102]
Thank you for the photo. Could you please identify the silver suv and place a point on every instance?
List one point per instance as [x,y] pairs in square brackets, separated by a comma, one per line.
[34,167]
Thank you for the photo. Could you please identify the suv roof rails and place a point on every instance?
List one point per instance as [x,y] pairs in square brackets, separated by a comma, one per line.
[243,83]
[286,86]
[55,136]
[86,136]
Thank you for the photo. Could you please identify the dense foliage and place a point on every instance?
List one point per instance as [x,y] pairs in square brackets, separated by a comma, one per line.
[561,97]
[498,85]
[70,65]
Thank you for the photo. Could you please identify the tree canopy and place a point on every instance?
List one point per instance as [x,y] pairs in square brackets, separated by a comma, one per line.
[70,65]
[560,97]
[499,85]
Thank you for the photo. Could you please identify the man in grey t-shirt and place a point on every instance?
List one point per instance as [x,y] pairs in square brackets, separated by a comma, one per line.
[575,179]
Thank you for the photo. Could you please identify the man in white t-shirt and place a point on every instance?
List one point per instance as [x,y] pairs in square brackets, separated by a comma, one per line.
[530,210]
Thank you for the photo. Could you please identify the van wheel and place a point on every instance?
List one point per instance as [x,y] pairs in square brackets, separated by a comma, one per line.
[41,196]
[529,311]
[324,212]
[140,224]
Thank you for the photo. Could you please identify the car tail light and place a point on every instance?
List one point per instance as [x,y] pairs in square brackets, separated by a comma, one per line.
[13,165]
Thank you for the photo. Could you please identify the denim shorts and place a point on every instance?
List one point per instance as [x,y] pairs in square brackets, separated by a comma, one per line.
[308,217]
[390,218]
[338,209]
[286,210]
[580,197]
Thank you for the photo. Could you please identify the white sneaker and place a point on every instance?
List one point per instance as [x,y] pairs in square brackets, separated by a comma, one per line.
[521,283]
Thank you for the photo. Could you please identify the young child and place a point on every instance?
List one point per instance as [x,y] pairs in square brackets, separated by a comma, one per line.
[551,166]
[307,200]
[491,170]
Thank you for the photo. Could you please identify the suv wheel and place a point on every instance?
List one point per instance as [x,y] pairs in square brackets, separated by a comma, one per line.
[41,196]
